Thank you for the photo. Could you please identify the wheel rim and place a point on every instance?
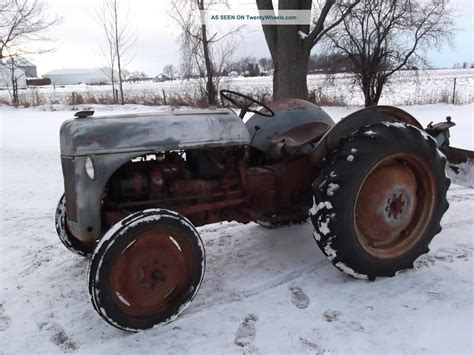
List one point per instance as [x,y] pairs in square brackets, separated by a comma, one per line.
[394,205]
[153,273]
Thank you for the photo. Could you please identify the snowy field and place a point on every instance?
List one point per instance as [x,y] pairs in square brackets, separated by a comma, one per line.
[406,88]
[264,291]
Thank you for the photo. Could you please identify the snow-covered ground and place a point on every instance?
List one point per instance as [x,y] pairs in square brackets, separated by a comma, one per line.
[405,88]
[264,291]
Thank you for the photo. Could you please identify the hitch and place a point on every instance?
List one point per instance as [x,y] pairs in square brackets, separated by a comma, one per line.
[440,131]
[455,156]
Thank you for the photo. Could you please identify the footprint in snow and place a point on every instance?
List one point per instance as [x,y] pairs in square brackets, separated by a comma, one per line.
[58,336]
[225,240]
[331,316]
[299,298]
[336,316]
[4,319]
[313,347]
[246,333]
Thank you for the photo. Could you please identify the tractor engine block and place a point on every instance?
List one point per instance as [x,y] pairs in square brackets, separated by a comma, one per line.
[146,180]
[209,186]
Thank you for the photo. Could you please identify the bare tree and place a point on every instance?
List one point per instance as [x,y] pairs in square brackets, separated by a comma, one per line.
[11,76]
[290,45]
[120,38]
[381,37]
[207,53]
[170,71]
[23,24]
[103,18]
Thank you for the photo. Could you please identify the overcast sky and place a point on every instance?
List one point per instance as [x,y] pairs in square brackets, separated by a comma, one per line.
[78,36]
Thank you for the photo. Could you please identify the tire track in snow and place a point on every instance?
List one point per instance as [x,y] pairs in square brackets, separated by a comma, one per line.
[233,297]
[459,223]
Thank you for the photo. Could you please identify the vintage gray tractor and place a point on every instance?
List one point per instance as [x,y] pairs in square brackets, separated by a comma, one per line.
[137,185]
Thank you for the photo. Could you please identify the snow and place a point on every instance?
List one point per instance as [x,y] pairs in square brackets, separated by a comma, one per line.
[316,207]
[302,34]
[330,252]
[264,291]
[324,227]
[465,176]
[395,124]
[350,158]
[316,235]
[331,188]
[407,88]
[343,267]
[462,135]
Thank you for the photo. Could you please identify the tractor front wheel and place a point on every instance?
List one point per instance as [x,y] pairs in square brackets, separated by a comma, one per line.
[146,270]
[65,236]
[379,200]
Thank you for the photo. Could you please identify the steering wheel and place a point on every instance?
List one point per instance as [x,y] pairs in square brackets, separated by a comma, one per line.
[245,105]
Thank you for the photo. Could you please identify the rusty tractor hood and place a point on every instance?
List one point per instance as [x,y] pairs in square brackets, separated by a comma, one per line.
[152,132]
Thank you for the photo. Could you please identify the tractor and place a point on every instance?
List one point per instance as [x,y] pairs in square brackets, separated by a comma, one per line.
[137,186]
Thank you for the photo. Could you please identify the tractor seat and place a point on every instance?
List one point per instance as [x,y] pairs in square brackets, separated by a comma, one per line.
[301,135]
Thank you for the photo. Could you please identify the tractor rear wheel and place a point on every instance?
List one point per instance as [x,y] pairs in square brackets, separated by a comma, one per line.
[65,236]
[146,270]
[379,200]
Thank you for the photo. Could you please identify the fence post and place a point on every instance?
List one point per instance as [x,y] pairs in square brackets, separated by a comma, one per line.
[116,96]
[454,91]
[164,97]
[73,99]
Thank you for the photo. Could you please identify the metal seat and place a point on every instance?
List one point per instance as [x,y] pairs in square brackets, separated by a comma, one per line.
[301,135]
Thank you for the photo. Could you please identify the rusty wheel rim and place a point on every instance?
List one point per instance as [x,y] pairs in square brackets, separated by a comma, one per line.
[153,273]
[394,205]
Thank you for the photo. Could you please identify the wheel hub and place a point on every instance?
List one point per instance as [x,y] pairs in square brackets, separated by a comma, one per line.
[386,202]
[396,206]
[152,272]
[393,205]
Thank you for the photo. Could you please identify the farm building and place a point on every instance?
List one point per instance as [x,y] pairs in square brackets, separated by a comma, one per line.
[6,76]
[78,76]
[28,67]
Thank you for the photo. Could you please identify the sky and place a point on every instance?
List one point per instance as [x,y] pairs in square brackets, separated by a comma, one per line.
[78,37]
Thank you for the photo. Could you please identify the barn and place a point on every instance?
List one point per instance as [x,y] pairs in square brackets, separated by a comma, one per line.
[28,67]
[78,76]
[6,76]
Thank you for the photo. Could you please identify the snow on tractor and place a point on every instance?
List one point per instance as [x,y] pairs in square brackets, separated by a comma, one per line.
[137,185]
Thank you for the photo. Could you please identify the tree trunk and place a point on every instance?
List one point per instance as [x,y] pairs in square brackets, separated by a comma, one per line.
[368,100]
[372,91]
[376,96]
[290,52]
[112,79]
[290,70]
[117,52]
[210,87]
[112,69]
[15,99]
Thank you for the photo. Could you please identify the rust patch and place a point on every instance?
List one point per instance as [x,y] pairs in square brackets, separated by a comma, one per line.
[394,205]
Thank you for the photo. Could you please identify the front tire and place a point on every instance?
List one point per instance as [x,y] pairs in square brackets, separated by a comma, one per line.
[65,236]
[379,200]
[146,270]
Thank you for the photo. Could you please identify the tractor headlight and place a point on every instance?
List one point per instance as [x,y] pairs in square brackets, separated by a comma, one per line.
[90,168]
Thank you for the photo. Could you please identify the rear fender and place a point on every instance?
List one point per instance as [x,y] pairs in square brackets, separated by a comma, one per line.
[356,120]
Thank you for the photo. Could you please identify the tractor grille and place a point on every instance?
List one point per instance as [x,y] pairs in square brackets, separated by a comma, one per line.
[70,187]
